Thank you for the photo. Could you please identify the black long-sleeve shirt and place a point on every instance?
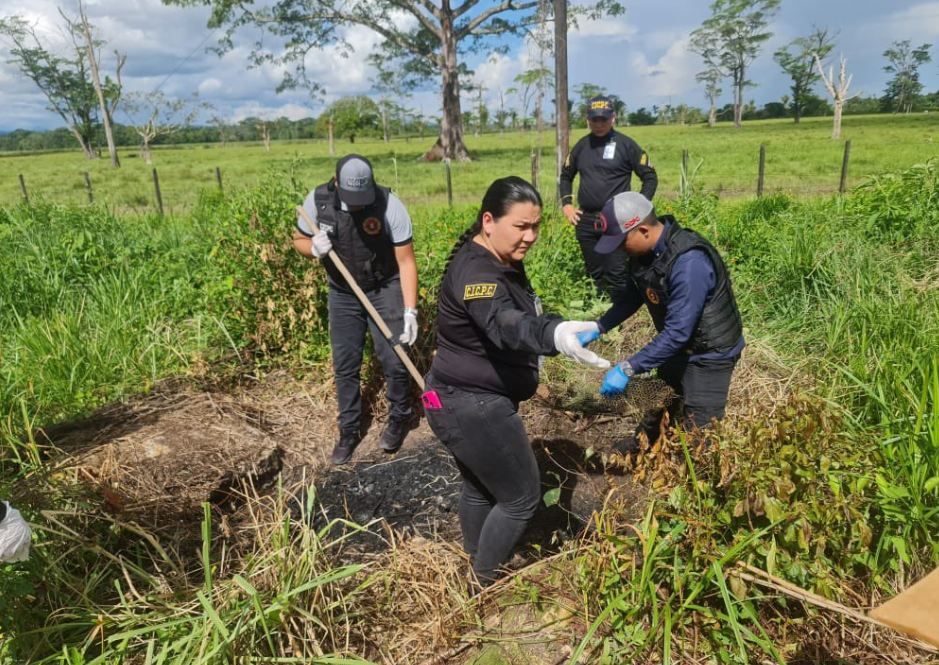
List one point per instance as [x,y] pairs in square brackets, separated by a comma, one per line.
[606,166]
[490,330]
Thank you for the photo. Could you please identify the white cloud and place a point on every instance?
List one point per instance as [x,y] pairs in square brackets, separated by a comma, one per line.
[209,85]
[672,74]
[920,22]
[615,29]
[641,56]
[497,73]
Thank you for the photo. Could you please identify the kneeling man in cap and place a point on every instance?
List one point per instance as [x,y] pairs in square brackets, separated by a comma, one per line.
[683,282]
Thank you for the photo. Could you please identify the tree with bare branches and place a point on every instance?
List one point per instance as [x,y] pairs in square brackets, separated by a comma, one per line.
[705,41]
[107,106]
[711,79]
[154,115]
[427,47]
[838,91]
[63,77]
[732,37]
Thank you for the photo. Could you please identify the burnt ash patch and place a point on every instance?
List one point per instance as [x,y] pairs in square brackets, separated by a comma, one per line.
[416,493]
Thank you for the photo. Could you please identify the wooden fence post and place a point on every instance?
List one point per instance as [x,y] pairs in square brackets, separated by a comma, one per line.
[23,187]
[844,167]
[218,177]
[446,163]
[683,186]
[159,197]
[91,196]
[759,182]
[535,168]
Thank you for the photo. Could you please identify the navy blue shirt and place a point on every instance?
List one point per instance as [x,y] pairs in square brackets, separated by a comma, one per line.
[691,282]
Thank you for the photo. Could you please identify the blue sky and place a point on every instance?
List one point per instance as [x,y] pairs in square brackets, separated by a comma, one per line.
[641,56]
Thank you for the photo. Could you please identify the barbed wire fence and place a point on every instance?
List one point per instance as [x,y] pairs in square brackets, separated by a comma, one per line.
[150,195]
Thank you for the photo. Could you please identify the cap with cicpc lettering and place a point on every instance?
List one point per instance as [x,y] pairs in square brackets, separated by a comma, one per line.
[599,107]
[622,214]
[355,181]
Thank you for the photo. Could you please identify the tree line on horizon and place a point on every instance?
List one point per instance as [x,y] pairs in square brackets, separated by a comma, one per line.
[728,43]
[367,123]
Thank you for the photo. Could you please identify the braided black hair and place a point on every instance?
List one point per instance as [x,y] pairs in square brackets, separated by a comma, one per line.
[501,195]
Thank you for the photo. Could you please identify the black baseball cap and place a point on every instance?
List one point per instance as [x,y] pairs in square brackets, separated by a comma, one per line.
[600,107]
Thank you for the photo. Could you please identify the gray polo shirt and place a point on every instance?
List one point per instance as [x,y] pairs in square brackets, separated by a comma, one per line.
[396,217]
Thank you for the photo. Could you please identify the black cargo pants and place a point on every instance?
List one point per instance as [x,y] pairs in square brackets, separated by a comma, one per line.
[501,484]
[701,388]
[608,271]
[348,321]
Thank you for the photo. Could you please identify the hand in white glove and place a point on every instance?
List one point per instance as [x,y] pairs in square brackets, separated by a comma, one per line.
[410,327]
[320,244]
[566,342]
[14,536]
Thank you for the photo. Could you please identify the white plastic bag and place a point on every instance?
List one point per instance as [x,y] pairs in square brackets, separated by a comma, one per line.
[15,536]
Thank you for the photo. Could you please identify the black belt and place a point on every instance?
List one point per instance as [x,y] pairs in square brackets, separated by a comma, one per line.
[593,218]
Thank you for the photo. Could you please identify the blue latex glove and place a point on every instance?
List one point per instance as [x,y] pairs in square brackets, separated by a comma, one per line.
[586,337]
[614,383]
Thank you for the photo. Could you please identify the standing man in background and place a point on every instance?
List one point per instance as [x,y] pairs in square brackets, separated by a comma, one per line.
[606,161]
[370,230]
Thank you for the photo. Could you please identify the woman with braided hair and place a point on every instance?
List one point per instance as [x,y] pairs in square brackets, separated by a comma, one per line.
[490,334]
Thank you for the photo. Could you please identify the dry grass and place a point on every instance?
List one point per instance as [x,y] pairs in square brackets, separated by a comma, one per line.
[181,443]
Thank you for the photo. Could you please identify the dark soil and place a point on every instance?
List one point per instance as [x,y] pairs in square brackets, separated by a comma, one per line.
[156,459]
[416,492]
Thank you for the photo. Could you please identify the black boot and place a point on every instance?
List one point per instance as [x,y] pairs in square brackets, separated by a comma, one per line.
[348,440]
[393,436]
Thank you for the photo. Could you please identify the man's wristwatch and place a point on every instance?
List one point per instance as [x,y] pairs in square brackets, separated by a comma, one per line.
[626,368]
[410,310]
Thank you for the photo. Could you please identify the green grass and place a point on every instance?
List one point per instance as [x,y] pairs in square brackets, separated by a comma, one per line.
[800,158]
[837,488]
[100,311]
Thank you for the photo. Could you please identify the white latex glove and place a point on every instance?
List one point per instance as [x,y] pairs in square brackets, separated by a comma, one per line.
[320,244]
[15,536]
[566,342]
[410,328]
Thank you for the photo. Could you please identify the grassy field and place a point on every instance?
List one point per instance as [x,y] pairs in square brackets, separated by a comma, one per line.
[800,159]
[834,488]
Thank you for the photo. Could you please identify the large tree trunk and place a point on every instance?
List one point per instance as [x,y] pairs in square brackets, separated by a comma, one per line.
[836,127]
[145,152]
[384,122]
[85,145]
[712,116]
[332,139]
[561,106]
[797,106]
[450,144]
[96,80]
[738,106]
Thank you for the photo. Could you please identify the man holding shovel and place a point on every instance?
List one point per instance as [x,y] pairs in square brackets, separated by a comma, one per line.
[369,230]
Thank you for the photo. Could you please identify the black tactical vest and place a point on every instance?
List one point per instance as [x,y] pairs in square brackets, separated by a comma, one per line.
[720,326]
[362,238]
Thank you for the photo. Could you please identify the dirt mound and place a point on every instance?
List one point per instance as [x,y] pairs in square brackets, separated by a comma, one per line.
[157,458]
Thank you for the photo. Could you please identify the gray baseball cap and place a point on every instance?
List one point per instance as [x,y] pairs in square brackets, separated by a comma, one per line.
[622,214]
[355,180]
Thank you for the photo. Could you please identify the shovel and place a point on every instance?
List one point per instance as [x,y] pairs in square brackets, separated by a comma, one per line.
[372,312]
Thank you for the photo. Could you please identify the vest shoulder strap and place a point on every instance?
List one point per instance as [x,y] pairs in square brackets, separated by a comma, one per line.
[684,240]
[323,195]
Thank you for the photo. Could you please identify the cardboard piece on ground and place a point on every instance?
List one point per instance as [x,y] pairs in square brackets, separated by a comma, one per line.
[915,611]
